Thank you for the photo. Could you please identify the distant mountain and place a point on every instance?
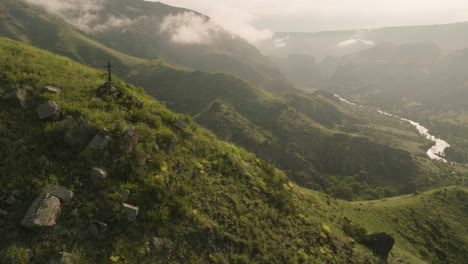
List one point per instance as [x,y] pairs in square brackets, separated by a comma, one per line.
[339,43]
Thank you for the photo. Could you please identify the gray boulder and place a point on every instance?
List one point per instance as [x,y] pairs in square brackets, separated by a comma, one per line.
[188,135]
[100,141]
[173,144]
[49,110]
[3,213]
[97,175]
[43,212]
[60,192]
[157,242]
[17,97]
[132,211]
[62,258]
[52,89]
[180,123]
[131,137]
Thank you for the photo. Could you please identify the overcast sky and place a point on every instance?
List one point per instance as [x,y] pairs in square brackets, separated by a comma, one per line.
[321,15]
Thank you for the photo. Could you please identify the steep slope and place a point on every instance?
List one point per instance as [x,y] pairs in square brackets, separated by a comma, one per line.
[200,200]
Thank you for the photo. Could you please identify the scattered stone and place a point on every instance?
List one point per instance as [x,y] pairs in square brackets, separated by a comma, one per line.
[156,146]
[124,195]
[188,135]
[107,86]
[60,192]
[100,141]
[173,144]
[180,123]
[43,159]
[131,137]
[43,212]
[129,86]
[96,228]
[3,213]
[381,244]
[347,220]
[11,200]
[49,110]
[74,212]
[52,89]
[17,97]
[62,258]
[16,193]
[157,242]
[97,175]
[116,95]
[135,101]
[132,211]
[80,135]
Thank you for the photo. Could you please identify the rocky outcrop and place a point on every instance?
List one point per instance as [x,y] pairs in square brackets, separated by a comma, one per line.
[381,244]
[62,258]
[43,212]
[17,97]
[49,110]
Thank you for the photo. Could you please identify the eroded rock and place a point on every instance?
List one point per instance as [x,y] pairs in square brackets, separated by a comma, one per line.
[124,195]
[43,212]
[180,123]
[96,228]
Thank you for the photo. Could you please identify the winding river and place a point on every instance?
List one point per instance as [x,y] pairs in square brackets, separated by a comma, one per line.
[437,152]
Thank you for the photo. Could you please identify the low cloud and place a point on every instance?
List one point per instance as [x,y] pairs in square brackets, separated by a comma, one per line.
[190,28]
[232,17]
[84,14]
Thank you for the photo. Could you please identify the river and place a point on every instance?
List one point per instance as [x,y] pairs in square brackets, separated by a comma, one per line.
[437,152]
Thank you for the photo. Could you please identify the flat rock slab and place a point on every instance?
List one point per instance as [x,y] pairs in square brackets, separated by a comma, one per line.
[131,210]
[60,192]
[52,89]
[100,141]
[43,212]
[48,110]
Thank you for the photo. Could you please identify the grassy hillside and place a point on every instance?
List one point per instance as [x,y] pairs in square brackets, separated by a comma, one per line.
[200,200]
[207,200]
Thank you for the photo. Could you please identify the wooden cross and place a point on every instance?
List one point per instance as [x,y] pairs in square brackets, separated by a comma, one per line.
[109,71]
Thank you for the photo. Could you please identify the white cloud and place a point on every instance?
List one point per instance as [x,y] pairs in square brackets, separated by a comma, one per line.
[83,14]
[189,28]
[241,16]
